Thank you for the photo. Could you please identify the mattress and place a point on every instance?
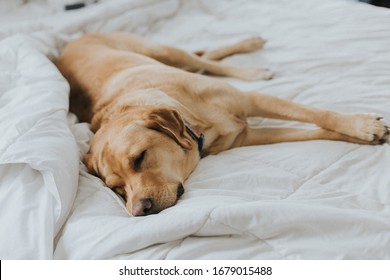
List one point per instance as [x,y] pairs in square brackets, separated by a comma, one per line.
[302,200]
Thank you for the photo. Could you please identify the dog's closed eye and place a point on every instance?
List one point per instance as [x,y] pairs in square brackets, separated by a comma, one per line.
[137,162]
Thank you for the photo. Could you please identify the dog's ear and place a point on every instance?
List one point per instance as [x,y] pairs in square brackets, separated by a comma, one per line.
[169,122]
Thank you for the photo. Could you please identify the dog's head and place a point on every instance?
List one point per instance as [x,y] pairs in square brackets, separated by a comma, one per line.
[144,154]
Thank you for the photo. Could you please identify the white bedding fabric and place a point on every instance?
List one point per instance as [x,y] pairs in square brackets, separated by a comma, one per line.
[306,200]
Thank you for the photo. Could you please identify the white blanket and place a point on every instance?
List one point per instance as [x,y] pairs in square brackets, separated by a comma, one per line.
[306,200]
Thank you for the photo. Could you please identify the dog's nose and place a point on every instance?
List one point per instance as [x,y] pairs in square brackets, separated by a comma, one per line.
[143,207]
[180,190]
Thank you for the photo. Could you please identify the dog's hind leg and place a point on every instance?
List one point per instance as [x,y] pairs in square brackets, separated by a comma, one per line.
[182,59]
[179,58]
[244,46]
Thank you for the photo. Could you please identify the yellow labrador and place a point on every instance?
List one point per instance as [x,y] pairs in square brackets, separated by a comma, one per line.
[153,121]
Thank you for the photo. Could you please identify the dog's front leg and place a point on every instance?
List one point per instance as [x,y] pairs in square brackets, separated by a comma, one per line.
[365,128]
[271,135]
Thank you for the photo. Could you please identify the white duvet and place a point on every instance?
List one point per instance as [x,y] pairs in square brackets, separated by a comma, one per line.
[306,200]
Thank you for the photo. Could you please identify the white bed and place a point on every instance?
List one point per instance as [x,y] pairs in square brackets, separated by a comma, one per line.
[306,200]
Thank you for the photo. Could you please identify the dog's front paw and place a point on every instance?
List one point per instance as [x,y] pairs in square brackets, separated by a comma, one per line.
[368,127]
[381,130]
[374,128]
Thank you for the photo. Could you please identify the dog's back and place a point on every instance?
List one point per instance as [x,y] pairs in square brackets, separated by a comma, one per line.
[88,63]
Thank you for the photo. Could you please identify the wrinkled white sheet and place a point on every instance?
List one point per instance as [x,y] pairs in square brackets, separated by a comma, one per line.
[308,200]
[38,152]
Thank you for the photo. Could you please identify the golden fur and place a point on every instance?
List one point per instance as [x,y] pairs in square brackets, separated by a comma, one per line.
[139,103]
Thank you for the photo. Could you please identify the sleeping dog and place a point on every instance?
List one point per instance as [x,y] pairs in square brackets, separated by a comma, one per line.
[153,120]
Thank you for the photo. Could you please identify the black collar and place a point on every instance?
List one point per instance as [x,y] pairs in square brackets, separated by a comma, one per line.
[198,138]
